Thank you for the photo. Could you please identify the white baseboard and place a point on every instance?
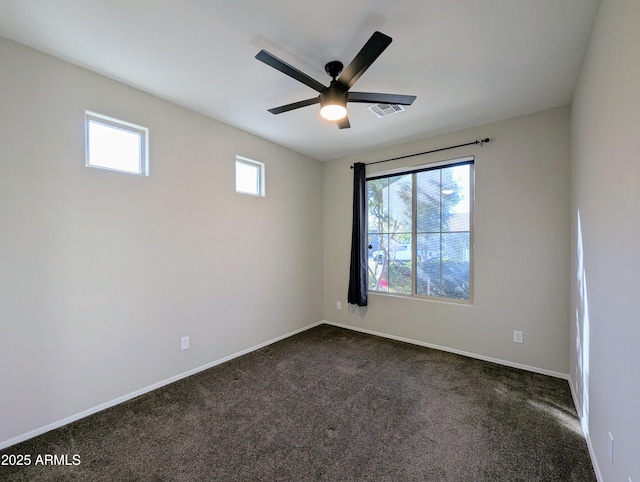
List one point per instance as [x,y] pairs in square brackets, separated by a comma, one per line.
[511,364]
[587,436]
[142,391]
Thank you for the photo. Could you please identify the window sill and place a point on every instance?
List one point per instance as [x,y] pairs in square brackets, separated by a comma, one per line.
[446,301]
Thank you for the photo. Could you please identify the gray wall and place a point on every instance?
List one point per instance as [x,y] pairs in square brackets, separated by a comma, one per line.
[522,218]
[101,273]
[605,330]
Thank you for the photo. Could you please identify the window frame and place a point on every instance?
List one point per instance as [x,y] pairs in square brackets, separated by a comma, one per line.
[413,171]
[142,132]
[260,168]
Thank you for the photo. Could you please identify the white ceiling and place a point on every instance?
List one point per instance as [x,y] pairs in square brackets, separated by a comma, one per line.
[468,61]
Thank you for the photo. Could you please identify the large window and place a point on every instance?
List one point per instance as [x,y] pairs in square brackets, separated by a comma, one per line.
[420,231]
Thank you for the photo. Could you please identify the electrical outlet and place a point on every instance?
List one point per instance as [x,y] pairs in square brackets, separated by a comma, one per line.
[610,448]
[184,342]
[338,305]
[518,336]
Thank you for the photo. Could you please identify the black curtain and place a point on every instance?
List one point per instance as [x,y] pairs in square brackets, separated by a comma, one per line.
[358,270]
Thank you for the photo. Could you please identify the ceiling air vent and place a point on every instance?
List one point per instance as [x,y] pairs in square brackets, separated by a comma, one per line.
[384,110]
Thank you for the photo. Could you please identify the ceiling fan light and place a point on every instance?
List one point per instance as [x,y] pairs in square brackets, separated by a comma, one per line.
[333,112]
[333,104]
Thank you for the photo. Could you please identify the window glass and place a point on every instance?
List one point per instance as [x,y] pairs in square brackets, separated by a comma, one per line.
[249,177]
[115,145]
[420,232]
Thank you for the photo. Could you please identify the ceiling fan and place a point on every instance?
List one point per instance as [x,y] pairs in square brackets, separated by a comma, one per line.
[333,99]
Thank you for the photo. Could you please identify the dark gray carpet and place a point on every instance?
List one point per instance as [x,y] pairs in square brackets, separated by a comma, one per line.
[334,405]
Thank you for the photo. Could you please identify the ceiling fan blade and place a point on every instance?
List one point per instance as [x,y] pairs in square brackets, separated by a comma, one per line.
[375,98]
[344,123]
[363,60]
[295,105]
[285,68]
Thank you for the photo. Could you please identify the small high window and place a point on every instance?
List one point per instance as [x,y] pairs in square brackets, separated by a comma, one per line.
[249,176]
[116,145]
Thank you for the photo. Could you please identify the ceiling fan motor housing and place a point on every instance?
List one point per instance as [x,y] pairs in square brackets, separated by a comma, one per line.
[336,94]
[333,102]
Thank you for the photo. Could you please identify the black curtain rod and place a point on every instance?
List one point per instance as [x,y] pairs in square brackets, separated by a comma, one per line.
[476,142]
